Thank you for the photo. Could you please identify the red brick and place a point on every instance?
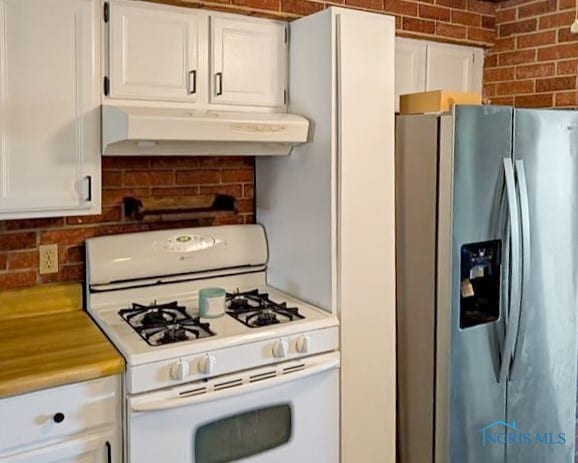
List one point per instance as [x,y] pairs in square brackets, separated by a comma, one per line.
[480,6]
[537,39]
[301,7]
[401,7]
[565,4]
[109,214]
[148,177]
[259,4]
[556,52]
[499,74]
[434,12]
[456,4]
[367,4]
[567,67]
[489,22]
[504,44]
[125,162]
[249,218]
[516,87]
[466,18]
[534,101]
[111,178]
[68,236]
[13,280]
[506,100]
[227,161]
[554,84]
[245,175]
[68,273]
[234,189]
[504,15]
[71,254]
[194,177]
[175,162]
[111,197]
[33,224]
[23,260]
[518,27]
[535,70]
[229,220]
[564,35]
[14,241]
[481,35]
[489,90]
[537,8]
[566,99]
[248,190]
[176,191]
[516,57]
[556,20]
[245,205]
[419,25]
[491,61]
[450,31]
[3,261]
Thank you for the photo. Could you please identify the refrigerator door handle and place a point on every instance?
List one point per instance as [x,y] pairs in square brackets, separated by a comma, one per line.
[513,317]
[526,244]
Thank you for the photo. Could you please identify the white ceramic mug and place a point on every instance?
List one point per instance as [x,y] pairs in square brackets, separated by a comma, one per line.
[211,302]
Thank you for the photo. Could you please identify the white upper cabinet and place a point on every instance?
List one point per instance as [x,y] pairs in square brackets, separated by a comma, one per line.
[248,61]
[453,67]
[423,66]
[153,52]
[409,67]
[49,108]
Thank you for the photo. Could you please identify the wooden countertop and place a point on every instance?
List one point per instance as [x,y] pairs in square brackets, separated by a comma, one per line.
[47,340]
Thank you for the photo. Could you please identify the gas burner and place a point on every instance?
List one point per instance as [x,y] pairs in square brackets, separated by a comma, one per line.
[160,324]
[255,309]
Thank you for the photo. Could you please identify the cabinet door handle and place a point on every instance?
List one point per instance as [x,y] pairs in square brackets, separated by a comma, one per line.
[219,83]
[192,82]
[89,180]
[108,452]
[58,418]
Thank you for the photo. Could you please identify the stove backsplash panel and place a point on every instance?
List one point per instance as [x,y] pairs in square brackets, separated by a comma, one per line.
[140,177]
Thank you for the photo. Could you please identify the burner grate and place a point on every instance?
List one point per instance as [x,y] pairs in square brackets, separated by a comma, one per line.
[255,309]
[161,324]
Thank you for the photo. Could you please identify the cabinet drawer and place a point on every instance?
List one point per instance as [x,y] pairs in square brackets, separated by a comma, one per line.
[53,413]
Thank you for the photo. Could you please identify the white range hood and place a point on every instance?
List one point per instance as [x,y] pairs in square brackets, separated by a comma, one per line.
[167,131]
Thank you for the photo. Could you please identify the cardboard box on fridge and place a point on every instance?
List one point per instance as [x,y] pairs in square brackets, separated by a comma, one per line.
[437,101]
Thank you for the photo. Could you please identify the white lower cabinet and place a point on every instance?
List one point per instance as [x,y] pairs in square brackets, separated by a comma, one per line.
[76,423]
[49,108]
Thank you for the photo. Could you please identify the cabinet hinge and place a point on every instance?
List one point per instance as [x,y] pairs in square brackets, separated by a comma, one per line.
[286,34]
[285,96]
[106,86]
[106,12]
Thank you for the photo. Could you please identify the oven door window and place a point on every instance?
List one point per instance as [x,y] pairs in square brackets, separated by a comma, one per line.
[243,435]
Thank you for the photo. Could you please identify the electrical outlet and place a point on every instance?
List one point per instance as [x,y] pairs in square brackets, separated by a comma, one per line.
[48,258]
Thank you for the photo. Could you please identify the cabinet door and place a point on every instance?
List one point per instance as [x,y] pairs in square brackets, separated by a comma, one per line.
[153,52]
[248,61]
[410,59]
[49,108]
[97,448]
[452,67]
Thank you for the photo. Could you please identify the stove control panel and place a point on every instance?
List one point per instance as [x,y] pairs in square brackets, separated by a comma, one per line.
[230,358]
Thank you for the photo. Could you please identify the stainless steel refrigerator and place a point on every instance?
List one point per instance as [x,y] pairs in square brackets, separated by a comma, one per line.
[487,285]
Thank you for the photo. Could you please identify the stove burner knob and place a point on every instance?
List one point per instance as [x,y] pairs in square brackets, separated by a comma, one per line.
[180,370]
[302,344]
[207,364]
[280,349]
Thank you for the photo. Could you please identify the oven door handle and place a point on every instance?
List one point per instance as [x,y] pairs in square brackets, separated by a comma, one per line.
[168,400]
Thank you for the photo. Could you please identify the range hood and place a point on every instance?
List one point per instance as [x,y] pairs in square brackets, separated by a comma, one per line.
[167,131]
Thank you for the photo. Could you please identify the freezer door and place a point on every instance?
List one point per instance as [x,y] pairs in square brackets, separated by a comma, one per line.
[541,395]
[477,264]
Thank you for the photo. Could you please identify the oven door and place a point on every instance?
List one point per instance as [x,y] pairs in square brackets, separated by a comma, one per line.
[277,414]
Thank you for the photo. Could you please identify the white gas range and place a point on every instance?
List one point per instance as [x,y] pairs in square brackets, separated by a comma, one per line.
[258,384]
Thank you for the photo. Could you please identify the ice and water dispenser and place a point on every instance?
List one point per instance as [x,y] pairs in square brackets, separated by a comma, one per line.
[480,283]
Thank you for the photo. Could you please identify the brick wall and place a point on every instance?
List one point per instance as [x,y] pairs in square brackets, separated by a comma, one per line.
[464,21]
[534,62]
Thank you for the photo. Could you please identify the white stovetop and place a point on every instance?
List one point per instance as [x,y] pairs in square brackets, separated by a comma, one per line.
[228,331]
